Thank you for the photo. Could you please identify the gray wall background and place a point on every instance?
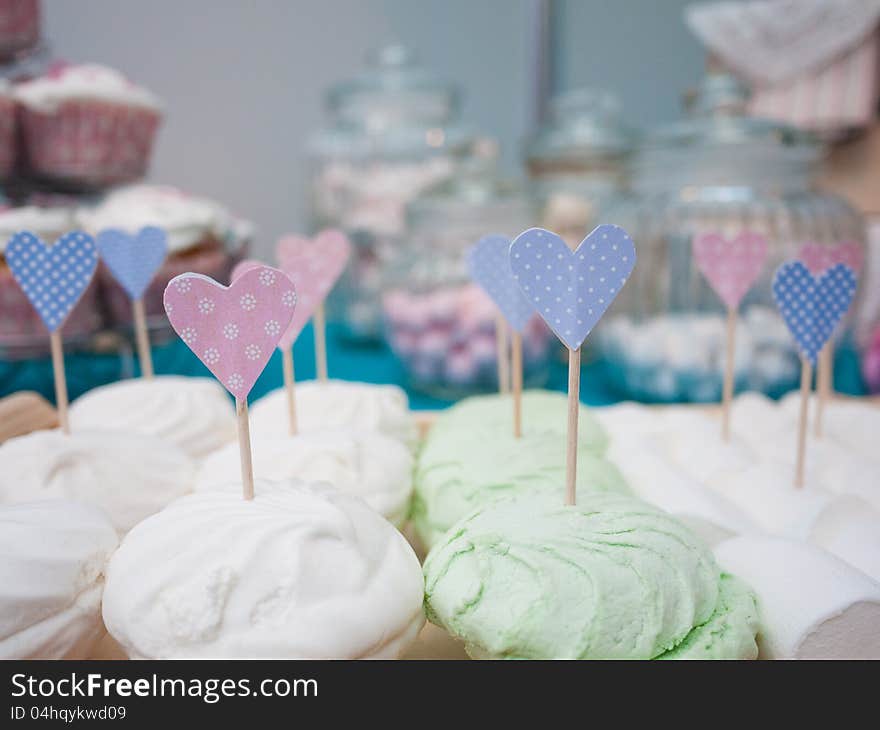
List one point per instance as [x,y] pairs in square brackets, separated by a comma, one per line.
[242,80]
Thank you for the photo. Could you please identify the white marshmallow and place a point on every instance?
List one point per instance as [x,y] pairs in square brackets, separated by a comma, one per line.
[812,605]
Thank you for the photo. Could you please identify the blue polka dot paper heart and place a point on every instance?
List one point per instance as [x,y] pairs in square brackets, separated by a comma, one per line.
[813,305]
[489,265]
[572,289]
[53,277]
[133,259]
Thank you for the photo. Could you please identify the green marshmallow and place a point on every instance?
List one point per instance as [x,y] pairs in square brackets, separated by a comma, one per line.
[609,578]
[730,631]
[455,476]
[543,412]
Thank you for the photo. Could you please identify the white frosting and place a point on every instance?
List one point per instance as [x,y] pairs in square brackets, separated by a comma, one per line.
[47,223]
[128,476]
[370,465]
[51,578]
[83,82]
[812,605]
[186,218]
[301,571]
[194,414]
[337,404]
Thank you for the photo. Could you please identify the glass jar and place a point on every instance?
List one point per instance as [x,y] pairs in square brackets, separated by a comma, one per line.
[577,161]
[439,324]
[718,171]
[390,135]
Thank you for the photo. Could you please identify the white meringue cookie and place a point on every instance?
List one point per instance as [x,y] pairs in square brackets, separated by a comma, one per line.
[337,404]
[51,578]
[369,465]
[192,413]
[301,571]
[128,476]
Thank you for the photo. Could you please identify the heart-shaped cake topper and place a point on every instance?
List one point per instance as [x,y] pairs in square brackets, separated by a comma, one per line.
[52,277]
[818,257]
[812,305]
[133,259]
[572,289]
[232,330]
[489,265]
[314,265]
[731,265]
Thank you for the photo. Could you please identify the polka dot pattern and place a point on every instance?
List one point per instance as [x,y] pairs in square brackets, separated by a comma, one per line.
[234,342]
[52,277]
[730,265]
[133,259]
[572,290]
[813,305]
[489,265]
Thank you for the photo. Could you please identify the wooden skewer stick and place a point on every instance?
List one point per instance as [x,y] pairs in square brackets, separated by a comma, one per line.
[244,448]
[289,382]
[806,377]
[142,338]
[727,387]
[574,387]
[319,324]
[823,385]
[60,380]
[516,355]
[503,361]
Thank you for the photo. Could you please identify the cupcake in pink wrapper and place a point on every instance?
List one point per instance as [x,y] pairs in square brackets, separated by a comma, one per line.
[7,131]
[19,26]
[202,237]
[87,125]
[20,326]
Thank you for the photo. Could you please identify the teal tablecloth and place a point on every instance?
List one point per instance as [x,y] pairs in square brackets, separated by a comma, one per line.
[372,364]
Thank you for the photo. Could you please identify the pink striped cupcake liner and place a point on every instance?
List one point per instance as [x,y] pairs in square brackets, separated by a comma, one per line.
[90,143]
[19,25]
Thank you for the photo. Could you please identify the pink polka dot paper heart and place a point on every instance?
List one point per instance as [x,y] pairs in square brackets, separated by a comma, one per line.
[313,265]
[731,265]
[232,330]
[819,257]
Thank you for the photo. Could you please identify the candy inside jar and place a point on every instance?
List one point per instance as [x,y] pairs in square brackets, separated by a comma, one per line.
[439,324]
[390,135]
[723,174]
[447,341]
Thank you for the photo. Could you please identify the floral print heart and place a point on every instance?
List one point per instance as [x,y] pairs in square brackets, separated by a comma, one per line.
[233,330]
[489,265]
[572,289]
[730,265]
[313,265]
[52,277]
[133,259]
[817,257]
[812,305]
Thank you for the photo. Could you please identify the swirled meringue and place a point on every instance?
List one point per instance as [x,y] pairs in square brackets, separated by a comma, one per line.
[337,404]
[192,413]
[51,578]
[128,476]
[370,465]
[301,571]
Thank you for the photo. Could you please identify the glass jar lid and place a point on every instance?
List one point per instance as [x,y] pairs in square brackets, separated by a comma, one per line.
[393,90]
[718,144]
[583,125]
